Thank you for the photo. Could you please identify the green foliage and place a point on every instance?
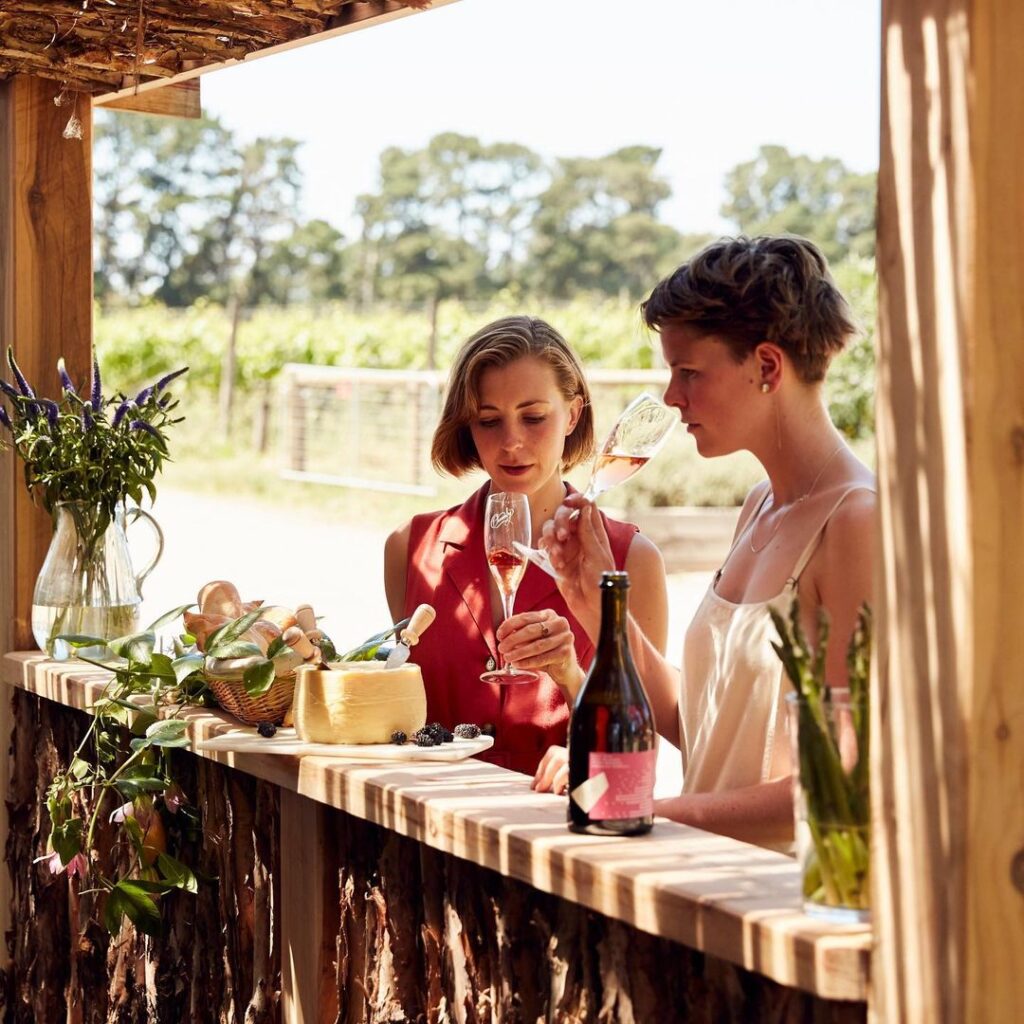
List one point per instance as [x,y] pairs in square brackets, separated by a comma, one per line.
[143,697]
[781,193]
[87,449]
[596,227]
[850,385]
[183,210]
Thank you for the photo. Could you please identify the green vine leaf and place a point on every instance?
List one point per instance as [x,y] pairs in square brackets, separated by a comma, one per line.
[187,665]
[233,649]
[137,648]
[259,678]
[169,617]
[277,645]
[172,732]
[231,630]
[130,899]
[177,874]
[77,640]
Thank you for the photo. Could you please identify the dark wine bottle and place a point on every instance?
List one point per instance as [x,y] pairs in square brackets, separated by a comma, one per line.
[611,734]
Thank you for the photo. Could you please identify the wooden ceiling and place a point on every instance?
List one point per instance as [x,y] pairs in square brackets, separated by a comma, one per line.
[106,46]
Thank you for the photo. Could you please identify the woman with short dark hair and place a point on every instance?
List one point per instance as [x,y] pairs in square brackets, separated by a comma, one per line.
[748,328]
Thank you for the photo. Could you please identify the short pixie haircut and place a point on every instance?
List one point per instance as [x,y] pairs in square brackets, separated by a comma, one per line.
[751,290]
[498,344]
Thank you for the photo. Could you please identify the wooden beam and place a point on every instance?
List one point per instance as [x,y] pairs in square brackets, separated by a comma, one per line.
[948,763]
[352,18]
[45,299]
[179,99]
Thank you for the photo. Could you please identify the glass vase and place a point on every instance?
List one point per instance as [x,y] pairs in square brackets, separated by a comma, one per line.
[87,586]
[832,808]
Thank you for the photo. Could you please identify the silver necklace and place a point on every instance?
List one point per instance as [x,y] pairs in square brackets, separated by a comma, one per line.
[793,505]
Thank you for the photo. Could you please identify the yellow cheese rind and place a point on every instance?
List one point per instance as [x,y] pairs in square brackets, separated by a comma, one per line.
[358,702]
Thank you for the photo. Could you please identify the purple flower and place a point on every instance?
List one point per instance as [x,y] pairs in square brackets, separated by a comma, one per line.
[65,380]
[5,419]
[164,381]
[96,398]
[51,409]
[147,427]
[121,410]
[26,388]
[8,390]
[144,395]
[86,417]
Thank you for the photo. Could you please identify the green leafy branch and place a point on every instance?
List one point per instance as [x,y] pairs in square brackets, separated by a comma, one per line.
[144,698]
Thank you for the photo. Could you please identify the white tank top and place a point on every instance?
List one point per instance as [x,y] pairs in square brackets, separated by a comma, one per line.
[733,724]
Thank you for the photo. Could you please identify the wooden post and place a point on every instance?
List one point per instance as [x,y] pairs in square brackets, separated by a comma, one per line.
[45,312]
[309,913]
[948,762]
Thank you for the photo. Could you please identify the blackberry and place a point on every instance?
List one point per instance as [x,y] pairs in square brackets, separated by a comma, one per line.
[425,739]
[399,737]
[447,736]
[467,731]
[266,729]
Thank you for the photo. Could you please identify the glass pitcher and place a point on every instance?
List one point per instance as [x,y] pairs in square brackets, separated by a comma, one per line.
[87,585]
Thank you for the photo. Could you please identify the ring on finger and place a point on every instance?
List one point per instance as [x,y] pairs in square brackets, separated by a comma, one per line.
[544,631]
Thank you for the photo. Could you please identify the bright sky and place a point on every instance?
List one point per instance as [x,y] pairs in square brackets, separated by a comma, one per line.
[706,80]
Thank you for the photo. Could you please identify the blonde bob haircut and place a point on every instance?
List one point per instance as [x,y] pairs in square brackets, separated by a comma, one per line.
[498,344]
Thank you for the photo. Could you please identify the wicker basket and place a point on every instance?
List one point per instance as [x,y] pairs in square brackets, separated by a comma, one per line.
[271,706]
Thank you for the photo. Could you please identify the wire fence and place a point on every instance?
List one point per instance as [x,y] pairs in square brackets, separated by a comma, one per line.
[372,428]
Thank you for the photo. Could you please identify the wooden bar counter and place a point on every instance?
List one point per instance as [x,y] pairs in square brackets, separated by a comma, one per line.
[338,890]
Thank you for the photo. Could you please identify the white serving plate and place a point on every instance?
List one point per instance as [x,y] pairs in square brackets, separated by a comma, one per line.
[284,741]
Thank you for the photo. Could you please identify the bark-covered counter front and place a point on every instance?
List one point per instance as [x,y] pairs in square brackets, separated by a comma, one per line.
[433,892]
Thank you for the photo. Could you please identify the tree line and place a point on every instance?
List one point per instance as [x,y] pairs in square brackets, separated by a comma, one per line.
[185,210]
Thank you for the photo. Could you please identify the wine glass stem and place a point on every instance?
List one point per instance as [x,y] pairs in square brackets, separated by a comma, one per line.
[507,601]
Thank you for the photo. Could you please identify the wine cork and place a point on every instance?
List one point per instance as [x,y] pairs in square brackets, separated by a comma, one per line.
[305,618]
[294,637]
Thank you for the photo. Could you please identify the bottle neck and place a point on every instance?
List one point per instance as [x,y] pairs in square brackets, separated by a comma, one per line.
[611,643]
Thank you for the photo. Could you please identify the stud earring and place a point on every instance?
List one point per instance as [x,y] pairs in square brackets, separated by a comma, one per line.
[765,387]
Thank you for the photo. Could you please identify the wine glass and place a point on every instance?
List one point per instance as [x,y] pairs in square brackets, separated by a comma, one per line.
[638,435]
[506,525]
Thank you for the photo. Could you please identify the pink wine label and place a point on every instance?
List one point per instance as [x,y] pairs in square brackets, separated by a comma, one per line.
[619,786]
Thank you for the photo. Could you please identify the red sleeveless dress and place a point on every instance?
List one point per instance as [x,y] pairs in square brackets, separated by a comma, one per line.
[447,568]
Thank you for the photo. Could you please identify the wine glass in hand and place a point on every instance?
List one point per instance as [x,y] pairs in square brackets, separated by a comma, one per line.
[507,527]
[639,432]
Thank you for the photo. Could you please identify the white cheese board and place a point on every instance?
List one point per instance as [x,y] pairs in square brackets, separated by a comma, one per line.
[285,741]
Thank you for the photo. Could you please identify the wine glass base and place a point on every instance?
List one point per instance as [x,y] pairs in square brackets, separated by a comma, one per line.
[510,676]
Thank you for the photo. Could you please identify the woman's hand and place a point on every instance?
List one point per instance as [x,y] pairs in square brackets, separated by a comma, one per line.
[552,772]
[580,551]
[541,640]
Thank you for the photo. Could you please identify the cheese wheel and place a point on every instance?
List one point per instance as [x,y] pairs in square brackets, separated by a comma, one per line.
[358,702]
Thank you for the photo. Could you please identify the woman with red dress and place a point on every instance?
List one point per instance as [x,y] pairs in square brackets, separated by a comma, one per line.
[518,407]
